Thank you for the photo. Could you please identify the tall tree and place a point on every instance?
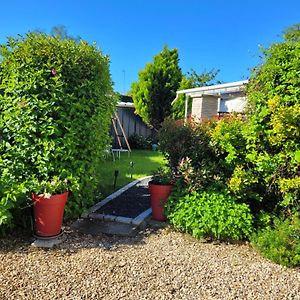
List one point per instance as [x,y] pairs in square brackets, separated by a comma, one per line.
[156,87]
[189,81]
[292,33]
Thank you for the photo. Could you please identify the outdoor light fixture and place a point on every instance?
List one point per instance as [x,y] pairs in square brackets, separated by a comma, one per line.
[115,180]
[131,170]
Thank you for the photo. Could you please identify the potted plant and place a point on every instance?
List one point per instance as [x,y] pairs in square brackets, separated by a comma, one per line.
[160,188]
[49,202]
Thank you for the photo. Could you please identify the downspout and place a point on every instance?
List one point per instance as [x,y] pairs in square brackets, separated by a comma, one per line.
[186,107]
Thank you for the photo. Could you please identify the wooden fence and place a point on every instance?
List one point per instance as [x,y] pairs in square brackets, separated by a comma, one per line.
[131,123]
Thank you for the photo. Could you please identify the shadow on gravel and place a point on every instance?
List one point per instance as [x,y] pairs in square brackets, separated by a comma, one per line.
[73,241]
[17,241]
[76,240]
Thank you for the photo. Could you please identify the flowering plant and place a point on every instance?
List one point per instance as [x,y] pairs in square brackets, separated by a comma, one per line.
[47,188]
[162,176]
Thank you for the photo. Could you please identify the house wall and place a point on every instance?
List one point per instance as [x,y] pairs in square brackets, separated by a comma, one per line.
[233,104]
[205,106]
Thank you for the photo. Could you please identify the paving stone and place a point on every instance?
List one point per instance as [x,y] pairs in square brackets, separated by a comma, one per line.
[142,217]
[97,227]
[95,216]
[45,243]
[109,218]
[124,220]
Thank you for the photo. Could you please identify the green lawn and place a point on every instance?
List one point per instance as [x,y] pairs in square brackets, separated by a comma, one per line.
[144,162]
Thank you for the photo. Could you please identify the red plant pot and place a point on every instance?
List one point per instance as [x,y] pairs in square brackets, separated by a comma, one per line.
[49,213]
[159,194]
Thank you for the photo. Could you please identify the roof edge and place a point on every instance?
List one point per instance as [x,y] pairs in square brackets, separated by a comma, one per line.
[215,87]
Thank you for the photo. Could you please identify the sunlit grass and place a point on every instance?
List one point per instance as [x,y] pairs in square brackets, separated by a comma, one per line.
[144,163]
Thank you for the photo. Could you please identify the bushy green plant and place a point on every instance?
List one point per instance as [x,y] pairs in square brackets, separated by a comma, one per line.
[178,140]
[162,176]
[273,132]
[56,101]
[175,141]
[280,242]
[228,140]
[137,141]
[156,87]
[213,214]
[260,153]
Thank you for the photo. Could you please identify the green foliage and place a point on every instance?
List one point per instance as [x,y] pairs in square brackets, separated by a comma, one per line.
[178,140]
[213,214]
[292,33]
[273,131]
[228,140]
[55,108]
[280,242]
[253,159]
[137,141]
[162,176]
[188,81]
[175,141]
[156,87]
[52,187]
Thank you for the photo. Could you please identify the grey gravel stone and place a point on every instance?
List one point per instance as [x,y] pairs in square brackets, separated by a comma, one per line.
[158,263]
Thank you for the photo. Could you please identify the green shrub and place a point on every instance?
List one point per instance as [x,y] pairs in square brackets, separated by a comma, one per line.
[178,141]
[273,131]
[212,214]
[280,242]
[137,141]
[228,140]
[175,141]
[55,110]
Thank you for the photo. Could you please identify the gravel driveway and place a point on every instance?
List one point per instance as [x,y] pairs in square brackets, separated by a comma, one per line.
[156,264]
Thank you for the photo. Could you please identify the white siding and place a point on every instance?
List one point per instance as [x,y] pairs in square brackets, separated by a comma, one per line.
[236,104]
[205,106]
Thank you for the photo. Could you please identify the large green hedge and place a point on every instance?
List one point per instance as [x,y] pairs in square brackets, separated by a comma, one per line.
[56,101]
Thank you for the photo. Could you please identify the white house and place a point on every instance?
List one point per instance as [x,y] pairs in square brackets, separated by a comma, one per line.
[215,100]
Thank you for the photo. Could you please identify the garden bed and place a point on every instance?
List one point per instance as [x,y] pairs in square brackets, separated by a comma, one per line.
[129,204]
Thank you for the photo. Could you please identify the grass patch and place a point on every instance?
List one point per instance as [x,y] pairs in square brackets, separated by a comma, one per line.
[144,163]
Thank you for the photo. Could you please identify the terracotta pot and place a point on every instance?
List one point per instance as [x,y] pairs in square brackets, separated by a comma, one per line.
[159,194]
[49,213]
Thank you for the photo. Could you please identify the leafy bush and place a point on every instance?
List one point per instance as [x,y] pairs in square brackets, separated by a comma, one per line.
[162,176]
[178,140]
[55,108]
[137,141]
[280,242]
[260,153]
[273,132]
[175,141]
[210,213]
[228,140]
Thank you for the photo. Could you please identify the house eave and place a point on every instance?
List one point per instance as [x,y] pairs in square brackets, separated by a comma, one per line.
[125,104]
[217,89]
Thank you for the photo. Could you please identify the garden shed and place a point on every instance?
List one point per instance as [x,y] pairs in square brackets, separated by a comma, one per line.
[131,122]
[215,100]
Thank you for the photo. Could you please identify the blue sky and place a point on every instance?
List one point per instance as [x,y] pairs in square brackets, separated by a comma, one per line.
[223,35]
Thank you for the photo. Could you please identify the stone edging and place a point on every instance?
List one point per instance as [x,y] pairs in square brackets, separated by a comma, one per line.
[91,213]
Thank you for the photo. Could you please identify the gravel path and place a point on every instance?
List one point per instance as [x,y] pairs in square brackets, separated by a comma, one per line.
[156,264]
